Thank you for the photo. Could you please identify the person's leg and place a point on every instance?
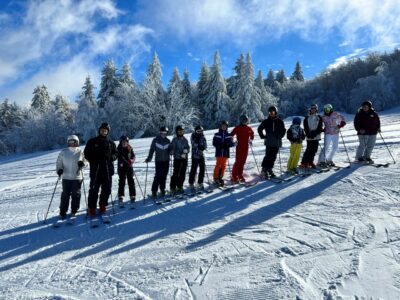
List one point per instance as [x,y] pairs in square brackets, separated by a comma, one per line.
[106,184]
[322,155]
[193,170]
[313,144]
[65,195]
[307,156]
[175,174]
[296,156]
[361,147]
[241,161]
[122,173]
[371,140]
[182,173]
[131,183]
[75,196]
[202,166]
[218,166]
[334,141]
[291,157]
[157,178]
[93,193]
[163,176]
[272,153]
[223,161]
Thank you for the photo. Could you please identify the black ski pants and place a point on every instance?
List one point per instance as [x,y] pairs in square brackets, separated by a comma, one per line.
[311,150]
[178,176]
[197,163]
[103,180]
[70,189]
[270,157]
[160,178]
[126,174]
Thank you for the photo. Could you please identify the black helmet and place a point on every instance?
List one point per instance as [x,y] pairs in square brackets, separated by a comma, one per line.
[273,108]
[179,128]
[198,127]
[164,129]
[243,119]
[105,125]
[124,138]
[367,103]
[224,122]
[296,121]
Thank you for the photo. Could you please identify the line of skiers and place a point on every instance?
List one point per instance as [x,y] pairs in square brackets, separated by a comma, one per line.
[101,152]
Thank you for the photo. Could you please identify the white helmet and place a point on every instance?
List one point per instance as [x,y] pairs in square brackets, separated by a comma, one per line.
[73,138]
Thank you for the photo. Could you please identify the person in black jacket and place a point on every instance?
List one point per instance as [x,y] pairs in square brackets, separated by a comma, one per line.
[101,152]
[313,128]
[275,130]
[126,158]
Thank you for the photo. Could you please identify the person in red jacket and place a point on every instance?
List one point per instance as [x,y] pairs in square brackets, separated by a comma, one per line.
[245,136]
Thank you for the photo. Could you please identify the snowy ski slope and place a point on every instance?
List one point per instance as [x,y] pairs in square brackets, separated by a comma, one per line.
[329,235]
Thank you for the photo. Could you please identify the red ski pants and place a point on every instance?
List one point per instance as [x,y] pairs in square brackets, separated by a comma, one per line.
[220,167]
[238,166]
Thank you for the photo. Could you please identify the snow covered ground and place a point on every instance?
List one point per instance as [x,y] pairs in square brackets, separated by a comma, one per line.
[334,235]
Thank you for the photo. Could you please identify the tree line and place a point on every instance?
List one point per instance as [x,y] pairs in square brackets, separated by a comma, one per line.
[140,109]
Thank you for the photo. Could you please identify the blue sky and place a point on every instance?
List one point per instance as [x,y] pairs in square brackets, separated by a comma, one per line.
[59,43]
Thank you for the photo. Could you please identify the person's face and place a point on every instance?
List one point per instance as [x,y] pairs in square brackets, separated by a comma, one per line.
[199,131]
[272,113]
[163,134]
[224,127]
[365,107]
[103,131]
[313,110]
[72,143]
[124,144]
[180,132]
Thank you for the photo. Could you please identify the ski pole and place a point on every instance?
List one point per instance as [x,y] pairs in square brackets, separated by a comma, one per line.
[109,180]
[205,169]
[387,146]
[258,169]
[137,180]
[345,148]
[280,161]
[51,200]
[145,183]
[323,151]
[84,192]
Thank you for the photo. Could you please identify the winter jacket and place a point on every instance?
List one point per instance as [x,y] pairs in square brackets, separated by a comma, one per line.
[222,141]
[296,134]
[126,157]
[368,121]
[313,126]
[67,160]
[333,122]
[274,131]
[101,152]
[199,144]
[180,147]
[162,147]
[244,134]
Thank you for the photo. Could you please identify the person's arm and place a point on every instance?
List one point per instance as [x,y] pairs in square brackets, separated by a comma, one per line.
[59,162]
[260,130]
[306,127]
[151,151]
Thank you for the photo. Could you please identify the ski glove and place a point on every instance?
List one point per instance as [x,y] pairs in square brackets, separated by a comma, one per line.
[59,172]
[81,164]
[185,151]
[250,142]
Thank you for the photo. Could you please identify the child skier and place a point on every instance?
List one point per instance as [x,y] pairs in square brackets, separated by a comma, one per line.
[161,146]
[333,121]
[367,124]
[70,161]
[179,149]
[275,130]
[313,128]
[199,144]
[245,137]
[126,158]
[296,136]
[222,141]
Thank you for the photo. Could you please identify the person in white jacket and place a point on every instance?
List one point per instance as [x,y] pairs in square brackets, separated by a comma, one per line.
[70,162]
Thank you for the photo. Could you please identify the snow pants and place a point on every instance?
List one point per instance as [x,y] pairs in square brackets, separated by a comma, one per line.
[367,144]
[270,157]
[126,174]
[160,178]
[311,149]
[197,163]
[331,143]
[295,151]
[70,189]
[179,174]
[219,170]
[238,166]
[103,180]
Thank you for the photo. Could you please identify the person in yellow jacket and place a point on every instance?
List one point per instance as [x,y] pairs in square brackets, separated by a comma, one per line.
[296,136]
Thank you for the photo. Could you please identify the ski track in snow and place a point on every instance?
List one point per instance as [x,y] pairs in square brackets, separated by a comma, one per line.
[334,235]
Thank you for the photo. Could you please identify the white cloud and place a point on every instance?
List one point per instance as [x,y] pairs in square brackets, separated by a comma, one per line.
[258,21]
[59,41]
[360,52]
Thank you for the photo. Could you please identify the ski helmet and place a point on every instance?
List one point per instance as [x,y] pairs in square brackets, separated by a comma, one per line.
[314,106]
[73,138]
[224,122]
[124,138]
[273,108]
[367,103]
[164,129]
[328,108]
[198,129]
[179,128]
[105,125]
[243,119]
[296,121]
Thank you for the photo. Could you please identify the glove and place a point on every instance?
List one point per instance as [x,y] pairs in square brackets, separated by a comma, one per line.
[130,162]
[379,130]
[147,160]
[185,151]
[80,164]
[361,131]
[342,123]
[59,172]
[250,142]
[183,155]
[201,148]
